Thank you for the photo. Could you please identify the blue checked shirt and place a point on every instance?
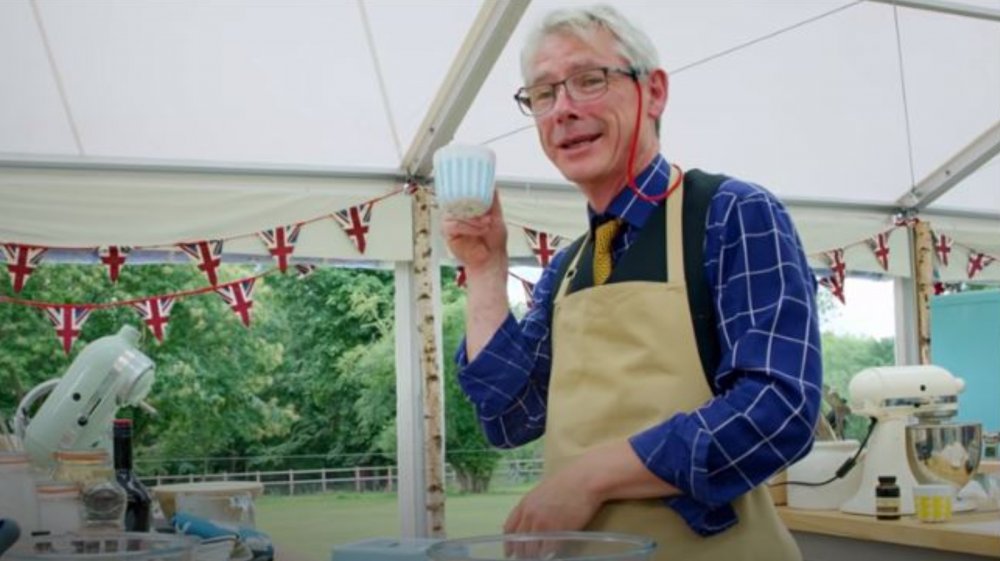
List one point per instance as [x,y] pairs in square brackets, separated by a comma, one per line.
[767,386]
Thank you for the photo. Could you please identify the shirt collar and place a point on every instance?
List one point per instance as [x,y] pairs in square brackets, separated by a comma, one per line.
[652,181]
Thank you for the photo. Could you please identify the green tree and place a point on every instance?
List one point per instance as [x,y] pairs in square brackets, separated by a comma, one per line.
[210,372]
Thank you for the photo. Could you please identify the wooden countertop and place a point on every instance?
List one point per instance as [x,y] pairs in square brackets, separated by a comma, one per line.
[971,533]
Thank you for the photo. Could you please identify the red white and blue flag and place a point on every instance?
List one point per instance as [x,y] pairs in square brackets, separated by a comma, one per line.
[303,271]
[838,267]
[155,313]
[68,321]
[280,243]
[208,255]
[355,221]
[543,245]
[22,260]
[834,285]
[942,247]
[114,257]
[239,296]
[529,291]
[978,262]
[879,245]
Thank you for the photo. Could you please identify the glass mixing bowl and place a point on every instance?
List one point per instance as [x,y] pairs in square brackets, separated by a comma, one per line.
[111,546]
[562,546]
[944,452]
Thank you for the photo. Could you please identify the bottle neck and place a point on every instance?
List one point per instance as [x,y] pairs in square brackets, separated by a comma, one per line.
[123,449]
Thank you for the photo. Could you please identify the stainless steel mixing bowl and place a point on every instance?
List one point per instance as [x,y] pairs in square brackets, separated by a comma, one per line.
[944,452]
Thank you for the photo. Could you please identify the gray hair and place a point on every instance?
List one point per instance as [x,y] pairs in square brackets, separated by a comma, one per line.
[633,44]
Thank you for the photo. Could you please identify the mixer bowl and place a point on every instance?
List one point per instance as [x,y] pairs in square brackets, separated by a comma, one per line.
[562,546]
[945,452]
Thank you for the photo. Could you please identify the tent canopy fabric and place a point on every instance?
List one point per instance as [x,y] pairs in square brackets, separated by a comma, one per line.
[139,123]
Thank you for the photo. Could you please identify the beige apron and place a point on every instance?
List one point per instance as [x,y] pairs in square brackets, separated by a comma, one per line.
[613,376]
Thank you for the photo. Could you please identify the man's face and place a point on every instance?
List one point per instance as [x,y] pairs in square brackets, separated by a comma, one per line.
[587,140]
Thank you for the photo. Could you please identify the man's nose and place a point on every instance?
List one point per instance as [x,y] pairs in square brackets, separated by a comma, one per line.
[564,104]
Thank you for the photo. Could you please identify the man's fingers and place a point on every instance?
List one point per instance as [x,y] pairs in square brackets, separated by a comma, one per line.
[513,520]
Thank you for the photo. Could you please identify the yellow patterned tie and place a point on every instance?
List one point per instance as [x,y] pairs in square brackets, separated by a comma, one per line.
[602,250]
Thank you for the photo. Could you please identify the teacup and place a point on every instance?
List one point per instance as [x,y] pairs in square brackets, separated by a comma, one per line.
[464,179]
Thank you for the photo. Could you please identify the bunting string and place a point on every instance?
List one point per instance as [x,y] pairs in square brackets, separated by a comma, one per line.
[23,259]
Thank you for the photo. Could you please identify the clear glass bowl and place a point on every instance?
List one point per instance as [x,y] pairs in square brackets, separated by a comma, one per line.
[552,546]
[111,546]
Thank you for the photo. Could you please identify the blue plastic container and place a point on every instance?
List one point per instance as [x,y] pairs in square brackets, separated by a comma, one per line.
[965,340]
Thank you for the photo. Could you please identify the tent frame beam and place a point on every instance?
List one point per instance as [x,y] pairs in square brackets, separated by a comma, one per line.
[980,151]
[953,8]
[482,47]
[377,178]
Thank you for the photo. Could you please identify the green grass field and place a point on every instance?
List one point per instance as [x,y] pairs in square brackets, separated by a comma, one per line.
[306,527]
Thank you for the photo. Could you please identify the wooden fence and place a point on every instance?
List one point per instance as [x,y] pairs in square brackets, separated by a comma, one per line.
[350,480]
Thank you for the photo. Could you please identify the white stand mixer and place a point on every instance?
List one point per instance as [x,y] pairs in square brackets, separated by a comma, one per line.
[107,374]
[892,395]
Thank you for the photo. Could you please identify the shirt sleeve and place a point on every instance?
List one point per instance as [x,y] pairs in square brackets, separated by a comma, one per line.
[767,386]
[508,381]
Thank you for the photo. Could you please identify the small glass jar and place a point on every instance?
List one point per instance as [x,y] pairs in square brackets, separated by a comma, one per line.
[60,510]
[102,498]
[887,498]
[17,491]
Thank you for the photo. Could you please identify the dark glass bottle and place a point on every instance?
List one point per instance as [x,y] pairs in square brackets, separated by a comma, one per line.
[138,511]
[887,498]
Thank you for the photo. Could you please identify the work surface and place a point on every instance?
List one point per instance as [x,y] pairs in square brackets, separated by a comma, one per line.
[968,533]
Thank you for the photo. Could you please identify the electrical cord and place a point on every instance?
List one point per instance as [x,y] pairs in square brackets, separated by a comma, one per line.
[844,468]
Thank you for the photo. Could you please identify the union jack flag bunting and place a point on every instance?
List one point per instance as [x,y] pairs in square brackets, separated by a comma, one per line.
[942,247]
[838,267]
[834,286]
[22,260]
[303,271]
[155,313]
[280,243]
[68,321]
[114,257]
[460,278]
[239,296]
[978,262]
[529,292]
[208,255]
[355,221]
[543,245]
[879,245]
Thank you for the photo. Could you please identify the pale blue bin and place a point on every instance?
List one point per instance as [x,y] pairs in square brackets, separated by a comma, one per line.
[965,340]
[384,549]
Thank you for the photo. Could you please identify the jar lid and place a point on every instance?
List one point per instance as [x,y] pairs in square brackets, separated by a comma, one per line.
[97,455]
[13,458]
[56,488]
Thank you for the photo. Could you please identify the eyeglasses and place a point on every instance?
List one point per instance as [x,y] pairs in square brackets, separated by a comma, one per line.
[582,86]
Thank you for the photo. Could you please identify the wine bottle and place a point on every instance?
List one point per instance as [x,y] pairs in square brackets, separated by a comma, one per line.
[138,510]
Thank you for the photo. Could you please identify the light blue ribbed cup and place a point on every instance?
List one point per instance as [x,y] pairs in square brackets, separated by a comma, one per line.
[463,179]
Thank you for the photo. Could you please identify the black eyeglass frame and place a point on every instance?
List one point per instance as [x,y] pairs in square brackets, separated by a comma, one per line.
[524,103]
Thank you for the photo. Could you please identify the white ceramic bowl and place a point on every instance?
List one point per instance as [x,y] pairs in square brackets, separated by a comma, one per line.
[463,179]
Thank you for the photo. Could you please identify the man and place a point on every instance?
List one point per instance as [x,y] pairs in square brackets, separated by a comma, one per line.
[607,364]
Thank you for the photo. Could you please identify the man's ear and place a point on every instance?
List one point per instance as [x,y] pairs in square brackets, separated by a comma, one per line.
[659,85]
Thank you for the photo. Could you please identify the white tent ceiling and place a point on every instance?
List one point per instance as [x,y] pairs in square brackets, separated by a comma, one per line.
[264,112]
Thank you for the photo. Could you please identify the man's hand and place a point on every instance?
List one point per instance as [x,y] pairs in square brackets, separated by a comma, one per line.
[560,502]
[478,243]
[569,499]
